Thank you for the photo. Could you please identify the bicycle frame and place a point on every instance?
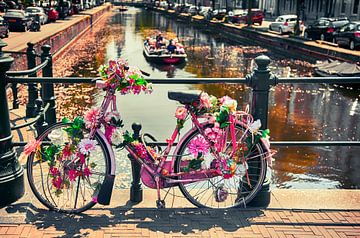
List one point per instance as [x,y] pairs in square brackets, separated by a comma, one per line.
[110,101]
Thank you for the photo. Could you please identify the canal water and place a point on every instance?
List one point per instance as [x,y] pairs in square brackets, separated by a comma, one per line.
[297,112]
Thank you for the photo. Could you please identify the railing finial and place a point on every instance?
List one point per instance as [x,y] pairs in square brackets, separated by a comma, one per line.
[262,62]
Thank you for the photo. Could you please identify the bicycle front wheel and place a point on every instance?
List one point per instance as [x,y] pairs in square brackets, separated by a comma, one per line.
[60,176]
[240,189]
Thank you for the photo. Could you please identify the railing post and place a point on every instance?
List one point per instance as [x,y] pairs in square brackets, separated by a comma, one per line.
[47,89]
[15,96]
[136,193]
[40,124]
[11,173]
[32,87]
[260,81]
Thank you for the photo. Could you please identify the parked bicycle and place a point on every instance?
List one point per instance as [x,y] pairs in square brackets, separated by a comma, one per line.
[220,162]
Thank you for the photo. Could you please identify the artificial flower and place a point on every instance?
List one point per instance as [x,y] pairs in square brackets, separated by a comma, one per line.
[54,171]
[66,151]
[31,146]
[57,137]
[57,182]
[72,174]
[86,171]
[181,113]
[198,145]
[255,126]
[228,102]
[81,157]
[117,137]
[205,100]
[109,130]
[112,115]
[85,146]
[91,117]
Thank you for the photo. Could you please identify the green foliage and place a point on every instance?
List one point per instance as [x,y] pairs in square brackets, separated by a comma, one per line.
[194,164]
[128,137]
[50,152]
[75,128]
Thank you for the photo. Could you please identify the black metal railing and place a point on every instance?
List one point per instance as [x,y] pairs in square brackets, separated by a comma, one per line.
[260,81]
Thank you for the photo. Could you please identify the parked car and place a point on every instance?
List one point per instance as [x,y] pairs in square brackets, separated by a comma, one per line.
[18,20]
[4,28]
[284,24]
[348,35]
[39,11]
[52,14]
[192,10]
[241,16]
[3,7]
[219,14]
[324,28]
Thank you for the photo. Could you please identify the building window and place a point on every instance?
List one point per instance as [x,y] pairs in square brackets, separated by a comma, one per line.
[356,6]
[343,6]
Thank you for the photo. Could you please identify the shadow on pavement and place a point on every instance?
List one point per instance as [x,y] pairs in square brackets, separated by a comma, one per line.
[182,220]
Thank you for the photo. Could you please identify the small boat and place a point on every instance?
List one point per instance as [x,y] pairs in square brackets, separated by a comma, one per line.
[336,68]
[162,55]
[123,9]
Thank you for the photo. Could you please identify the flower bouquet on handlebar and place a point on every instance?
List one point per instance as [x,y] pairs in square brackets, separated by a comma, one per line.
[219,163]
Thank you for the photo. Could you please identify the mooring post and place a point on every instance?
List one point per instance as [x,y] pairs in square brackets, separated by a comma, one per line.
[32,87]
[260,81]
[11,172]
[48,88]
[136,192]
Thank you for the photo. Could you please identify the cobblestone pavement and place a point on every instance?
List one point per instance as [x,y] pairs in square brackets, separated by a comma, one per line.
[182,222]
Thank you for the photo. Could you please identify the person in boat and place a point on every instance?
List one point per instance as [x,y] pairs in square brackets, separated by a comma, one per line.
[159,40]
[171,47]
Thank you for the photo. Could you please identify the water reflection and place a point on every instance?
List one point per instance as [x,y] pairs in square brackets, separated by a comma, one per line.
[297,112]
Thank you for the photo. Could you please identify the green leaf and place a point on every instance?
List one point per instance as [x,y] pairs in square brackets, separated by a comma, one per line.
[265,133]
[65,120]
[92,165]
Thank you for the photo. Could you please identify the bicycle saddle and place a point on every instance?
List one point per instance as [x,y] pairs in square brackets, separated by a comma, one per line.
[187,97]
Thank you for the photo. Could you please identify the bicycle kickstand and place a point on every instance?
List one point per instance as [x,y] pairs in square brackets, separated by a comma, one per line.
[159,203]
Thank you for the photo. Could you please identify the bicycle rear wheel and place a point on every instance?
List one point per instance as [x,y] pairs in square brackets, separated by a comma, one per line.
[63,182]
[240,188]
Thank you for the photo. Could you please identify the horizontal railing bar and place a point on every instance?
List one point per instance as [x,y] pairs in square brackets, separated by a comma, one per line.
[292,143]
[344,80]
[14,52]
[156,81]
[32,121]
[300,80]
[29,71]
[20,143]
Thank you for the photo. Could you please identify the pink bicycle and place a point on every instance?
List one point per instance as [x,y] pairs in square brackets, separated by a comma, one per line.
[220,162]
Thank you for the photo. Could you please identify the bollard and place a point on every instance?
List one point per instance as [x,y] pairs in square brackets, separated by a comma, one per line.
[40,124]
[136,192]
[47,89]
[32,87]
[260,81]
[11,172]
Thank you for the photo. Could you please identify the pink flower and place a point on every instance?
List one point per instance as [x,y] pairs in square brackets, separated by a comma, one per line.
[81,157]
[54,171]
[72,174]
[31,146]
[57,182]
[109,132]
[87,172]
[85,146]
[66,152]
[198,145]
[181,113]
[205,100]
[94,199]
[91,117]
[101,84]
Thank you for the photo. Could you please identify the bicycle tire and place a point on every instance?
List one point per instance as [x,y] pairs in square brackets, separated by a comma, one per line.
[257,173]
[44,193]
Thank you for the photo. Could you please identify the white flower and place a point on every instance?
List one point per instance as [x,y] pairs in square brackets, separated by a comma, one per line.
[85,146]
[205,164]
[255,126]
[241,169]
[117,137]
[57,137]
